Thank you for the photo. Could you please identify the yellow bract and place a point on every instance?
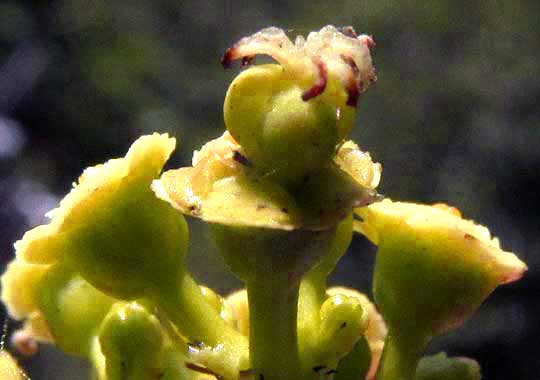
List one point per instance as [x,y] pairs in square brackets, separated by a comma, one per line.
[222,187]
[443,225]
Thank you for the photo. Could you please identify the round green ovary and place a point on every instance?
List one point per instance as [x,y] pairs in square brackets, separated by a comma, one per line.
[131,340]
[284,136]
[297,137]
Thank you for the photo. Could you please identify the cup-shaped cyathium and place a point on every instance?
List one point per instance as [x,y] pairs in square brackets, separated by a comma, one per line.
[112,229]
[276,185]
[433,270]
[126,242]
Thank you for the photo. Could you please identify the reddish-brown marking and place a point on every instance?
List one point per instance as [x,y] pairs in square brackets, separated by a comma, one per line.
[247,60]
[319,86]
[353,85]
[228,57]
[353,94]
[241,159]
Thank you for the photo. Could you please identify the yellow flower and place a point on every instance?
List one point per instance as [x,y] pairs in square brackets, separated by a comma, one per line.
[99,196]
[433,265]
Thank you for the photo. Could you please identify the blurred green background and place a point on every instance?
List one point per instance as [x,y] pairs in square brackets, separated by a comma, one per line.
[454,117]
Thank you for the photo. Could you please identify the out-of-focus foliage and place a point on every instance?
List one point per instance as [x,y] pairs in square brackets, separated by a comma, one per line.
[454,116]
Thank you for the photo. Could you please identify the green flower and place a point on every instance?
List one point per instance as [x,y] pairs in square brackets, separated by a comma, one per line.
[99,229]
[433,270]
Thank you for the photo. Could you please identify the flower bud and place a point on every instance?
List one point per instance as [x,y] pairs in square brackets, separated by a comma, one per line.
[131,340]
[342,321]
[376,330]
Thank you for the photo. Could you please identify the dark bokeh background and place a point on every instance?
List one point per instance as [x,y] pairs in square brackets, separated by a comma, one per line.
[454,117]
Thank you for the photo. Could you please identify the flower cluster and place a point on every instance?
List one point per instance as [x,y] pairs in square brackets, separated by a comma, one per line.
[282,190]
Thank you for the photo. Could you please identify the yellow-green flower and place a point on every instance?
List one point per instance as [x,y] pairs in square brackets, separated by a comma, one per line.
[442,264]
[96,229]
[433,270]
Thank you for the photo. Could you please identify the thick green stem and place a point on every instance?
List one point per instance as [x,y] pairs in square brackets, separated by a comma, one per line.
[273,305]
[401,356]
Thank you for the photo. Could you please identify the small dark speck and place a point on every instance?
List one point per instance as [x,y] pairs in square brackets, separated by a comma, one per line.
[195,344]
[241,159]
[285,210]
[261,376]
[318,368]
[343,325]
[358,217]
[331,372]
